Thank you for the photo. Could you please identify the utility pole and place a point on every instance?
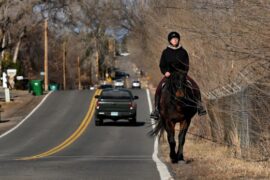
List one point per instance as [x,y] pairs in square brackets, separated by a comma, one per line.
[97,60]
[79,73]
[46,56]
[112,51]
[64,65]
[112,47]
[3,52]
[90,74]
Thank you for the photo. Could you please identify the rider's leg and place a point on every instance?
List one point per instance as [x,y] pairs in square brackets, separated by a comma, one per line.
[200,106]
[184,83]
[155,112]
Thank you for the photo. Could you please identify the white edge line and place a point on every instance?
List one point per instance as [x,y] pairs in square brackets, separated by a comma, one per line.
[162,168]
[18,125]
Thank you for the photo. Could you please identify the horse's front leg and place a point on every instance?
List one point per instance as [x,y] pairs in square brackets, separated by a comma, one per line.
[171,140]
[181,139]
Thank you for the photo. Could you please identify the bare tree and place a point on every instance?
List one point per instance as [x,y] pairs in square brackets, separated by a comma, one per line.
[227,41]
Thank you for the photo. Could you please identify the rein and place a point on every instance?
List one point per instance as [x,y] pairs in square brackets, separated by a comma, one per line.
[172,84]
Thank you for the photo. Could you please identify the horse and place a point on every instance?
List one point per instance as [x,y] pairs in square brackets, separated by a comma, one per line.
[178,104]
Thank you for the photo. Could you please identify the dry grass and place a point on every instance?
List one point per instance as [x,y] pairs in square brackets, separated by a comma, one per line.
[207,160]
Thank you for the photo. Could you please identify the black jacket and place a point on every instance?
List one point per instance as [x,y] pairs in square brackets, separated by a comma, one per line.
[173,60]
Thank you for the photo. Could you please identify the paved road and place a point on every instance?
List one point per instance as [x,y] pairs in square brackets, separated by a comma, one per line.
[112,151]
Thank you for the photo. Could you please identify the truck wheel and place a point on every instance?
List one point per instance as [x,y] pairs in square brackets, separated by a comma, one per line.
[98,122]
[133,120]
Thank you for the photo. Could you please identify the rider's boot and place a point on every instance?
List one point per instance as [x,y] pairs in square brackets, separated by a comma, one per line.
[201,109]
[155,114]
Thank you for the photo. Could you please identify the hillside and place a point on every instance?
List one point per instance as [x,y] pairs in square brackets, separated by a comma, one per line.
[228,44]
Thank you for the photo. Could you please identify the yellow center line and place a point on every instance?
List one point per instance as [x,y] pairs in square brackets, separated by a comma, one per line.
[73,137]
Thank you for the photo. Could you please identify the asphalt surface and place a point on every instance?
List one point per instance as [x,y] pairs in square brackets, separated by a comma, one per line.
[113,151]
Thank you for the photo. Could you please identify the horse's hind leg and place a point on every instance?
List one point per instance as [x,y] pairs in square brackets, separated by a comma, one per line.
[171,140]
[181,139]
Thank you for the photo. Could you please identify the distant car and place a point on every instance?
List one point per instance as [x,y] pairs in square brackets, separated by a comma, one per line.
[124,54]
[119,83]
[105,86]
[136,84]
[115,104]
[120,75]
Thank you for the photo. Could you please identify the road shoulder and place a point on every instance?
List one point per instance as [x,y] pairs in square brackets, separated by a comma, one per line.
[208,160]
[16,110]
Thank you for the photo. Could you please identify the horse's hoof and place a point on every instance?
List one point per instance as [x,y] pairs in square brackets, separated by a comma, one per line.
[174,161]
[182,162]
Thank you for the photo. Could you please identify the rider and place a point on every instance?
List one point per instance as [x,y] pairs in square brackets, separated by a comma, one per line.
[173,59]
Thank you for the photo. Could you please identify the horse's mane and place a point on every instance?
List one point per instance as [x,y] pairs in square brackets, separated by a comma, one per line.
[171,85]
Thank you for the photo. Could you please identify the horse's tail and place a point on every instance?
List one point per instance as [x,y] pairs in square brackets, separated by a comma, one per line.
[159,128]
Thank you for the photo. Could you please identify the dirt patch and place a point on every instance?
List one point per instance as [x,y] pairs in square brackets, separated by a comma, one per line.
[207,160]
[15,111]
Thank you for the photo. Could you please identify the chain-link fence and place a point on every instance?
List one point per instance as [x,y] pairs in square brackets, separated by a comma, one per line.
[242,120]
[239,113]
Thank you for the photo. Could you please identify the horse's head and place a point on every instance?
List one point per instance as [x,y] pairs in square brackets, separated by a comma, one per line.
[176,84]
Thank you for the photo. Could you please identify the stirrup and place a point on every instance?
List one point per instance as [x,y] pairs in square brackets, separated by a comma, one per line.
[155,114]
[201,111]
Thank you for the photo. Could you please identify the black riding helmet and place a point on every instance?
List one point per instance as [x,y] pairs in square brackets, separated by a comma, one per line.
[173,35]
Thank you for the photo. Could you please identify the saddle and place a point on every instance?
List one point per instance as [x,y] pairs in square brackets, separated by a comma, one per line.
[188,90]
[190,93]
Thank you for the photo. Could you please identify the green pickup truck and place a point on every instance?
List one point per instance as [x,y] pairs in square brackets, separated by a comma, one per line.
[115,104]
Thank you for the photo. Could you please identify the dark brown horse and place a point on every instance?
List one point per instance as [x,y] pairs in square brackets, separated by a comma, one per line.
[178,104]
